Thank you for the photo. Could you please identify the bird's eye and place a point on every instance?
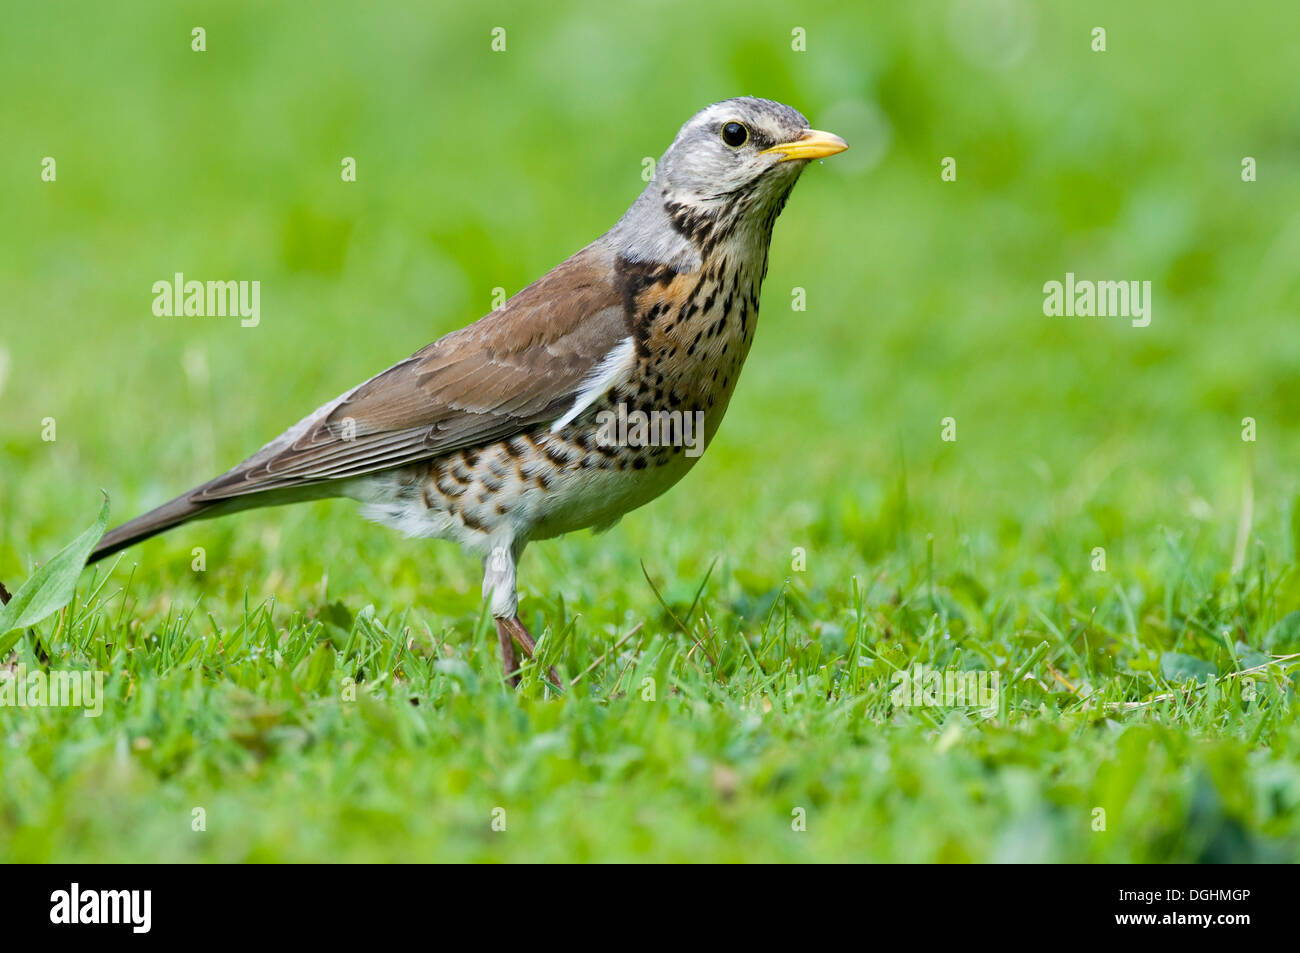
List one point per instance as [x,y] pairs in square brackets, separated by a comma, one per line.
[734,134]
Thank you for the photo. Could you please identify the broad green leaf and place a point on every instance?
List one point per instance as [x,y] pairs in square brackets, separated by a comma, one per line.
[1177,667]
[1284,638]
[51,586]
[1248,657]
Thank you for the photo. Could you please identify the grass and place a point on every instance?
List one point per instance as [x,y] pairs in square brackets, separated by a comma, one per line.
[702,741]
[325,690]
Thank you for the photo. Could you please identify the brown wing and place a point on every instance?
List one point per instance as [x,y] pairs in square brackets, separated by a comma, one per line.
[510,370]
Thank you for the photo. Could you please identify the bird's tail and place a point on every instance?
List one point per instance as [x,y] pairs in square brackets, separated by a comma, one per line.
[194,506]
[180,510]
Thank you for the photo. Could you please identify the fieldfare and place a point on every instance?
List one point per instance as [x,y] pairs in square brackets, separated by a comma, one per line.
[590,392]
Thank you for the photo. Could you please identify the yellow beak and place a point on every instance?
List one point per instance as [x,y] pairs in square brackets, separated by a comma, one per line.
[811,145]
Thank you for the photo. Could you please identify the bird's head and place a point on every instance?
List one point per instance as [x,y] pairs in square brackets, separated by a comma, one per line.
[725,178]
[741,145]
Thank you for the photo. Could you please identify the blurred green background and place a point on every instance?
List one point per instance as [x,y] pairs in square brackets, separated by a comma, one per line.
[480,169]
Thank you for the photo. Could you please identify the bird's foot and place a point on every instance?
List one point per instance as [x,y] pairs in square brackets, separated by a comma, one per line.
[510,631]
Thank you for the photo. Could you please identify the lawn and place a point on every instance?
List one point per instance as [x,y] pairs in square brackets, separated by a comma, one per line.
[921,472]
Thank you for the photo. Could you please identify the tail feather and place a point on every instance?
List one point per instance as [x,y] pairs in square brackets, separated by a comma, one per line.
[185,508]
[180,510]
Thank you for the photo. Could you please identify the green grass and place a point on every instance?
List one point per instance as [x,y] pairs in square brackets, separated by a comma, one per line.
[760,683]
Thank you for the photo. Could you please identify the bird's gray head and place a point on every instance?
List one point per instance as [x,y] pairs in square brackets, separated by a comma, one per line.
[728,173]
[728,147]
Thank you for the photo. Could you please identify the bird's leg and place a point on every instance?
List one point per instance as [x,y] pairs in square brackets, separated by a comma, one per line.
[499,587]
[527,644]
[508,663]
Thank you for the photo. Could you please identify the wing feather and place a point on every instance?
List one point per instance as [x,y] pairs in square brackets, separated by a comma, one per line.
[511,370]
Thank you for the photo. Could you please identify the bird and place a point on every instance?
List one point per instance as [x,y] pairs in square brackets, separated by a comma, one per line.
[531,422]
